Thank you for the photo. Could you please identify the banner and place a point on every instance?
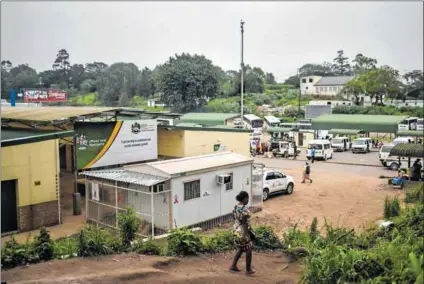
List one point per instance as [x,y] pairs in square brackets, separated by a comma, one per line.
[39,96]
[100,144]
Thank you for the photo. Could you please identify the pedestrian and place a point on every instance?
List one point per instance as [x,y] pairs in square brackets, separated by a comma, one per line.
[313,151]
[306,173]
[295,150]
[242,233]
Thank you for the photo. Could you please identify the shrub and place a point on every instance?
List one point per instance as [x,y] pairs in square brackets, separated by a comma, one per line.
[14,254]
[129,224]
[294,237]
[43,245]
[391,207]
[415,194]
[94,242]
[266,239]
[66,247]
[148,247]
[183,242]
[220,242]
[313,231]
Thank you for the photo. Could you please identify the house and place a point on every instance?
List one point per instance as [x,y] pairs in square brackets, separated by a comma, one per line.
[331,86]
[30,183]
[155,102]
[331,103]
[307,84]
[191,191]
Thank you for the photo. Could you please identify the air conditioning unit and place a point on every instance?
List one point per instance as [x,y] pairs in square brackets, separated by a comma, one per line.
[223,179]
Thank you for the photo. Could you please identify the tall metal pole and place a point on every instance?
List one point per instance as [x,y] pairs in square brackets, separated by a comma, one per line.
[300,91]
[242,73]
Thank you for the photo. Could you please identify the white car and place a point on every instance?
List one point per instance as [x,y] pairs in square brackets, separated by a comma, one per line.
[274,182]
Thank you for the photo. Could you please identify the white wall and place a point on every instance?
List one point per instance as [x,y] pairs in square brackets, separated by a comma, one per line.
[328,90]
[219,202]
[332,103]
[306,86]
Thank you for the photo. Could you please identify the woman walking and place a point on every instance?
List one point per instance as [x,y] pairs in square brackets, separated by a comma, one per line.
[242,233]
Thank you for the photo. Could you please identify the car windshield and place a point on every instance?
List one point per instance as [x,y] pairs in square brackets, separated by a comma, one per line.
[317,146]
[359,142]
[386,149]
[337,141]
[284,145]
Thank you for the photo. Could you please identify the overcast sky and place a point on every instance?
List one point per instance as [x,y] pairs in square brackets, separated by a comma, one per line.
[279,36]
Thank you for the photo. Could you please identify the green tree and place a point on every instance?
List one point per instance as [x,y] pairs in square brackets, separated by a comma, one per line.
[414,84]
[146,83]
[310,69]
[187,82]
[354,88]
[77,75]
[363,63]
[270,79]
[62,66]
[94,70]
[6,65]
[22,76]
[341,64]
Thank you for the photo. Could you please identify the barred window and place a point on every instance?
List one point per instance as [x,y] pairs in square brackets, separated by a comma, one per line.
[191,190]
[229,186]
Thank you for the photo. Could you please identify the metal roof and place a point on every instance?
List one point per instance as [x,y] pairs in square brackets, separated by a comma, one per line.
[334,81]
[271,119]
[251,117]
[279,129]
[220,128]
[187,124]
[195,163]
[368,123]
[408,150]
[413,133]
[15,136]
[207,118]
[124,175]
[345,131]
[50,113]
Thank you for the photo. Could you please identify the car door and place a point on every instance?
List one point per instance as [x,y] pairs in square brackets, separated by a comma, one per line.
[280,181]
[270,182]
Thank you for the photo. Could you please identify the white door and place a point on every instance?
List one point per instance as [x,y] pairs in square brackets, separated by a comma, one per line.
[280,181]
[270,182]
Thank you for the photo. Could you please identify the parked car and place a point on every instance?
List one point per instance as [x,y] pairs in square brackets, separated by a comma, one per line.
[275,181]
[362,145]
[340,144]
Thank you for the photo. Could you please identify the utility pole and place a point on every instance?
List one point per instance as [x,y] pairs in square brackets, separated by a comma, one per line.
[300,91]
[241,73]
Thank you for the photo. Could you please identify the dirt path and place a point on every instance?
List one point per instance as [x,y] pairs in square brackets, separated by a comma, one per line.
[132,268]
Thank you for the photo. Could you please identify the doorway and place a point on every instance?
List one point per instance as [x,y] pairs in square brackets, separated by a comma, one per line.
[300,138]
[9,206]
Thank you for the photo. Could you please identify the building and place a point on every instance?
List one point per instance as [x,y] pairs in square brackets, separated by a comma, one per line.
[30,184]
[323,86]
[331,103]
[209,118]
[307,84]
[155,102]
[186,140]
[193,191]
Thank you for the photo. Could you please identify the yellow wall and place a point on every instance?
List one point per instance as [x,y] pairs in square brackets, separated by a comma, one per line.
[202,142]
[170,142]
[29,163]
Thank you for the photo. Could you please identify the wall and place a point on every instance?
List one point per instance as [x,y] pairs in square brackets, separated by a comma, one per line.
[171,142]
[308,87]
[202,142]
[328,90]
[218,203]
[30,163]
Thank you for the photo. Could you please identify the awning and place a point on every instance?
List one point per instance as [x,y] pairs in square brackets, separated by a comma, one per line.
[278,129]
[413,133]
[345,131]
[408,150]
[17,136]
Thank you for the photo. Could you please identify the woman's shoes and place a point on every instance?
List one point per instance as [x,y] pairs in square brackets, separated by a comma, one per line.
[250,272]
[234,269]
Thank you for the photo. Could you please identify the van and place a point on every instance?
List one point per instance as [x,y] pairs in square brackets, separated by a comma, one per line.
[385,152]
[399,140]
[340,144]
[362,145]
[323,149]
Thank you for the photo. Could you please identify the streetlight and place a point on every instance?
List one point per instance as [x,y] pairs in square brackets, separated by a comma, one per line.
[241,73]
[300,92]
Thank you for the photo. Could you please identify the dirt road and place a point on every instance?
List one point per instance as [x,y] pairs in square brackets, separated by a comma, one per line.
[131,268]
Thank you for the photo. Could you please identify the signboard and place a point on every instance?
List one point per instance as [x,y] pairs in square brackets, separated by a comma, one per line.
[40,95]
[100,144]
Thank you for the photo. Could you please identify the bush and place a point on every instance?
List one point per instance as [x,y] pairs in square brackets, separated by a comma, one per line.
[183,242]
[294,237]
[391,207]
[415,194]
[220,242]
[148,247]
[43,245]
[94,242]
[129,224]
[313,230]
[66,247]
[266,239]
[15,254]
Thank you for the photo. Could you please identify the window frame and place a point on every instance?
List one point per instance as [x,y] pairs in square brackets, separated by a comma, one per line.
[195,195]
[273,176]
[230,183]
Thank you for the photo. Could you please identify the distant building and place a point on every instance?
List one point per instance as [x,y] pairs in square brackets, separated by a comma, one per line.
[325,86]
[154,102]
[331,103]
[307,84]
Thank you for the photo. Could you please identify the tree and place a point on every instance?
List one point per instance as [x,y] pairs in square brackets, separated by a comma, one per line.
[123,99]
[270,79]
[110,84]
[23,76]
[61,65]
[310,69]
[363,63]
[77,75]
[354,88]
[187,82]
[341,64]
[414,84]
[146,83]
[6,65]
[94,70]
[88,86]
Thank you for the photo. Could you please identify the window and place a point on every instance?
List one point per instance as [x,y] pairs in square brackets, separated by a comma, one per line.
[278,175]
[191,190]
[229,186]
[158,187]
[317,88]
[311,80]
[269,176]
[303,80]
[306,88]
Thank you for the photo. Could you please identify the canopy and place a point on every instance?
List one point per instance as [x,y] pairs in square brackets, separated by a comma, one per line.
[279,129]
[345,131]
[408,150]
[413,133]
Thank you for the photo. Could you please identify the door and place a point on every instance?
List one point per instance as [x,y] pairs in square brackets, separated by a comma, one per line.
[9,208]
[62,156]
[270,182]
[280,181]
[300,138]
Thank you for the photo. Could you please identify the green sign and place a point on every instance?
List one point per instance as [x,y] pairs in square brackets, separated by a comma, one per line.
[216,147]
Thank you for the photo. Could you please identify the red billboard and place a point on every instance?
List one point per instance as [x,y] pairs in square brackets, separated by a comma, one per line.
[41,96]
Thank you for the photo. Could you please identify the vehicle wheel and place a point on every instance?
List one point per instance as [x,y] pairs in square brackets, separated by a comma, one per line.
[290,188]
[394,166]
[265,194]
[331,156]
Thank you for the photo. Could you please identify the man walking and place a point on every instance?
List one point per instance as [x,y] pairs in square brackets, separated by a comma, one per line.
[306,173]
[313,154]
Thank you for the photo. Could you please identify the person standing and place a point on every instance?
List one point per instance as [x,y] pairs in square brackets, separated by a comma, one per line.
[242,233]
[306,173]
[313,151]
[295,150]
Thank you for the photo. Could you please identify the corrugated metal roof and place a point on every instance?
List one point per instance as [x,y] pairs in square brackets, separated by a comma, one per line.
[279,129]
[50,113]
[15,136]
[187,124]
[207,118]
[345,131]
[334,81]
[408,150]
[413,133]
[196,163]
[272,119]
[124,175]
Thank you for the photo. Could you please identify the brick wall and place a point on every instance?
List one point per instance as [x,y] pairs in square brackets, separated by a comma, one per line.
[34,216]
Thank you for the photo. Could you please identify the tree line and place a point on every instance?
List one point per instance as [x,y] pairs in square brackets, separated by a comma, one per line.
[187,82]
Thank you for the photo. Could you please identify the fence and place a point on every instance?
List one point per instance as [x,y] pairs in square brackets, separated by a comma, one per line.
[256,203]
[104,201]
